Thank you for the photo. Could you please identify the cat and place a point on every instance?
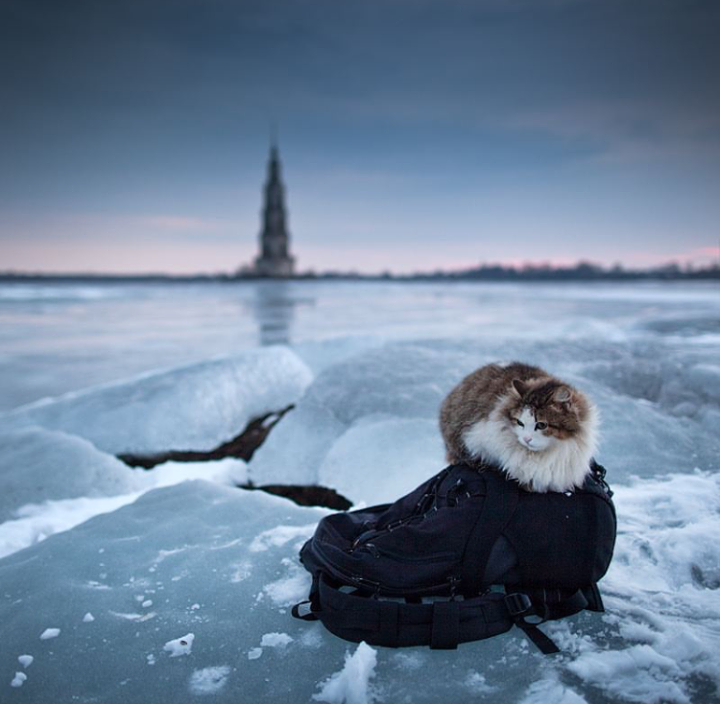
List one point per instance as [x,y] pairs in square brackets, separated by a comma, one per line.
[536,428]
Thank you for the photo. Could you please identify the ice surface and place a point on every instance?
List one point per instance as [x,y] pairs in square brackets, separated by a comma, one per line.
[196,407]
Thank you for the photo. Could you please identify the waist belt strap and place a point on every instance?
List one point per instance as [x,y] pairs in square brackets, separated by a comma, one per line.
[388,615]
[445,633]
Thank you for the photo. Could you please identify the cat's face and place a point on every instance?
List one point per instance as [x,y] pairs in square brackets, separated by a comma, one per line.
[543,414]
[531,433]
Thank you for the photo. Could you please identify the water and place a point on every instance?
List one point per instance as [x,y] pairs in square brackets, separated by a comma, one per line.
[60,337]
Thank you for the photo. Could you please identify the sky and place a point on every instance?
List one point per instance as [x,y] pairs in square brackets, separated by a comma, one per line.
[414,134]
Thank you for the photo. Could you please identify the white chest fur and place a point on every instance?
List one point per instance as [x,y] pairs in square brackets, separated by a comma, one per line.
[559,466]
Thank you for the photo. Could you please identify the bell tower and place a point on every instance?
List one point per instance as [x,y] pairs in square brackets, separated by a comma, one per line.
[274,259]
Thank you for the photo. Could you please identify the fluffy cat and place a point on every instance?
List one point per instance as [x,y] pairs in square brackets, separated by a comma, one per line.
[539,430]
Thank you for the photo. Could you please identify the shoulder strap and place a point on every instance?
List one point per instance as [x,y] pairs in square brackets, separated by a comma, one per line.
[500,503]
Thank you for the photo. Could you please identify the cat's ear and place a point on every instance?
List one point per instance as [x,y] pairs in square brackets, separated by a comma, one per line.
[520,387]
[562,394]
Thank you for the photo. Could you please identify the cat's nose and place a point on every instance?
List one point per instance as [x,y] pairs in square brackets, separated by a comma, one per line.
[527,439]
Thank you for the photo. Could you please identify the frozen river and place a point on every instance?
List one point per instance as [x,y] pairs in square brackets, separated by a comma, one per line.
[56,338]
[115,566]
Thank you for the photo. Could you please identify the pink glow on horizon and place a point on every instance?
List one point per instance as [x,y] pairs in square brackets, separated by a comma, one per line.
[188,244]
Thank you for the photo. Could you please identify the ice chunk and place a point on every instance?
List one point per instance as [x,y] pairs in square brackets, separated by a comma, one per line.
[50,633]
[26,660]
[254,653]
[351,685]
[209,680]
[275,640]
[18,680]
[380,459]
[180,646]
[88,618]
[195,407]
[399,380]
[37,465]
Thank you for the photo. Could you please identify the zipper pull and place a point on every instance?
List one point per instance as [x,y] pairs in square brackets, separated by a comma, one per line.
[372,549]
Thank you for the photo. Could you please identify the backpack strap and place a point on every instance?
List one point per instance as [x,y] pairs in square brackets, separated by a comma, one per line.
[501,500]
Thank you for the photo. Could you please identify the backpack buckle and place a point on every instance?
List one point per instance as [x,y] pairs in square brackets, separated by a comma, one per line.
[518,604]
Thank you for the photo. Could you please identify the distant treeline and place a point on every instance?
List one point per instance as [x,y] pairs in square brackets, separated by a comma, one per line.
[582,271]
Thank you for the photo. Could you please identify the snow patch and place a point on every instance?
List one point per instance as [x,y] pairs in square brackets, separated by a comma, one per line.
[275,537]
[290,589]
[209,680]
[351,685]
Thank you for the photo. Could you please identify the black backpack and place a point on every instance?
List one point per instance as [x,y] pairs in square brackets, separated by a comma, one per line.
[465,556]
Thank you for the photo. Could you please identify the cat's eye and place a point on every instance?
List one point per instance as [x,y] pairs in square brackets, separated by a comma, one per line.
[540,426]
[520,423]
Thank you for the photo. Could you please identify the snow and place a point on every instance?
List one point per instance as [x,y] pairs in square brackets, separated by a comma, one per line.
[351,685]
[280,535]
[121,562]
[209,680]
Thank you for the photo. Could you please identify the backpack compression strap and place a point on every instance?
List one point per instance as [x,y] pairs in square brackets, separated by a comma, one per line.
[501,500]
